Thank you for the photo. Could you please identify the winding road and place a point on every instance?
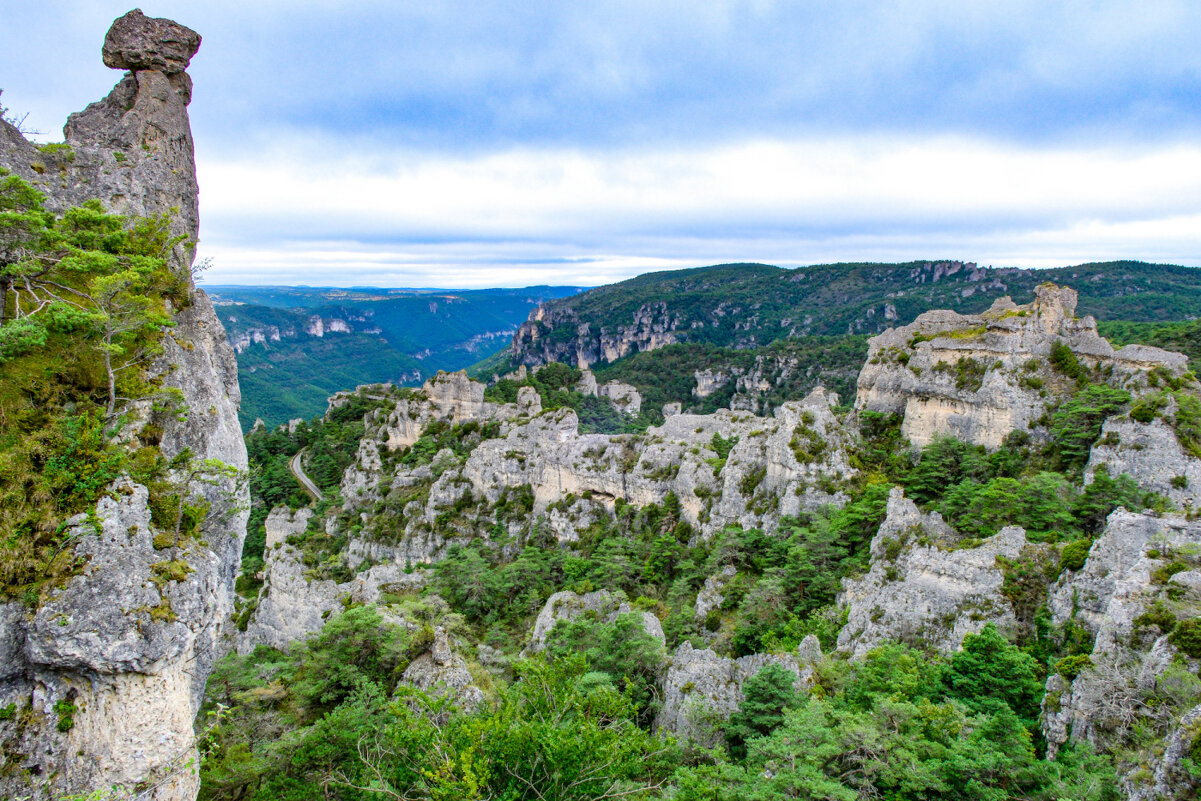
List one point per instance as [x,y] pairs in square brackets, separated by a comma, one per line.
[304,480]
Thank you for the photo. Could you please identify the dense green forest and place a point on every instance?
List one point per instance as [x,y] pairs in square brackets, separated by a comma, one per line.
[332,719]
[750,305]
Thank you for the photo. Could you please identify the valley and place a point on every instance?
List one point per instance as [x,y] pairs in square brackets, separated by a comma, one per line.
[988,499]
[296,346]
[920,530]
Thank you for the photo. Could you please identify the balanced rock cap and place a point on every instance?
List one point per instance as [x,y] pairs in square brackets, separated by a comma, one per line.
[138,42]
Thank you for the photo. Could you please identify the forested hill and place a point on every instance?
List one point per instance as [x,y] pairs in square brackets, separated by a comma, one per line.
[751,305]
[297,346]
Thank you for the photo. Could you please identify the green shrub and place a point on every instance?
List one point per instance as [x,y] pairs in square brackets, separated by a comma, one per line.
[1187,637]
[1163,574]
[65,709]
[1063,360]
[807,444]
[969,374]
[1071,666]
[1188,422]
[1075,553]
[722,447]
[1147,408]
[751,481]
[1159,616]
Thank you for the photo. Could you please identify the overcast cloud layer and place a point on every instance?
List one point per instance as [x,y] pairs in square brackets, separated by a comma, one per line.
[494,143]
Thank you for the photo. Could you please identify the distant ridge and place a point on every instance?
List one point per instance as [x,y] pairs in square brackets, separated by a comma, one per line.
[752,305]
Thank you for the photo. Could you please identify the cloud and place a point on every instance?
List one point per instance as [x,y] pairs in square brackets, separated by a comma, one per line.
[495,142]
[576,216]
[493,74]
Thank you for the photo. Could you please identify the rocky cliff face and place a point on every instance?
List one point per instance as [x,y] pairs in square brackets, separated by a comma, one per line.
[764,476]
[981,377]
[925,586]
[124,649]
[1152,451]
[539,341]
[1141,576]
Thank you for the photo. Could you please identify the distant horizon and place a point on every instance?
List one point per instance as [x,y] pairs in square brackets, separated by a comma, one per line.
[583,287]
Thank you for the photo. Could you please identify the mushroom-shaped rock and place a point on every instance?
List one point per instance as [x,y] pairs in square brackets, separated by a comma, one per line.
[138,42]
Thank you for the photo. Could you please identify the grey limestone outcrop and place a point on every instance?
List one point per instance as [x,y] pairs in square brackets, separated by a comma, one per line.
[776,466]
[652,326]
[624,396]
[924,589]
[441,671]
[980,377]
[601,605]
[1152,453]
[1106,598]
[710,596]
[701,689]
[293,605]
[283,522]
[130,642]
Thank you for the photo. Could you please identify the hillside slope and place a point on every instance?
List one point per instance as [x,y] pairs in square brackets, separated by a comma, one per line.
[751,305]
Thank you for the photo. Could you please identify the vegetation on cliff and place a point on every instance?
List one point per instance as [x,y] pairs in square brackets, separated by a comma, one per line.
[86,299]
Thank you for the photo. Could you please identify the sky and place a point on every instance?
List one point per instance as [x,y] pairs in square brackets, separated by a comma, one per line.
[473,144]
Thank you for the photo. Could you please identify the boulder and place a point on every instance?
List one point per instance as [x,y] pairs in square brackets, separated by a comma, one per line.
[441,671]
[137,42]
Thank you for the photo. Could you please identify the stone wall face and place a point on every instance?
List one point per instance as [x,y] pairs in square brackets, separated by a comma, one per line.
[982,377]
[132,654]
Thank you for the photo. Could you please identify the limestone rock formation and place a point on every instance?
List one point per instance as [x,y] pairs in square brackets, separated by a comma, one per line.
[283,522]
[1172,777]
[624,396]
[776,466]
[601,605]
[129,643]
[980,377]
[652,326]
[701,689]
[922,588]
[530,465]
[136,42]
[710,596]
[1123,579]
[1150,452]
[293,605]
[441,670]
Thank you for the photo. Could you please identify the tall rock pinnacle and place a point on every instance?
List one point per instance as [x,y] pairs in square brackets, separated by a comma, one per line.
[134,680]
